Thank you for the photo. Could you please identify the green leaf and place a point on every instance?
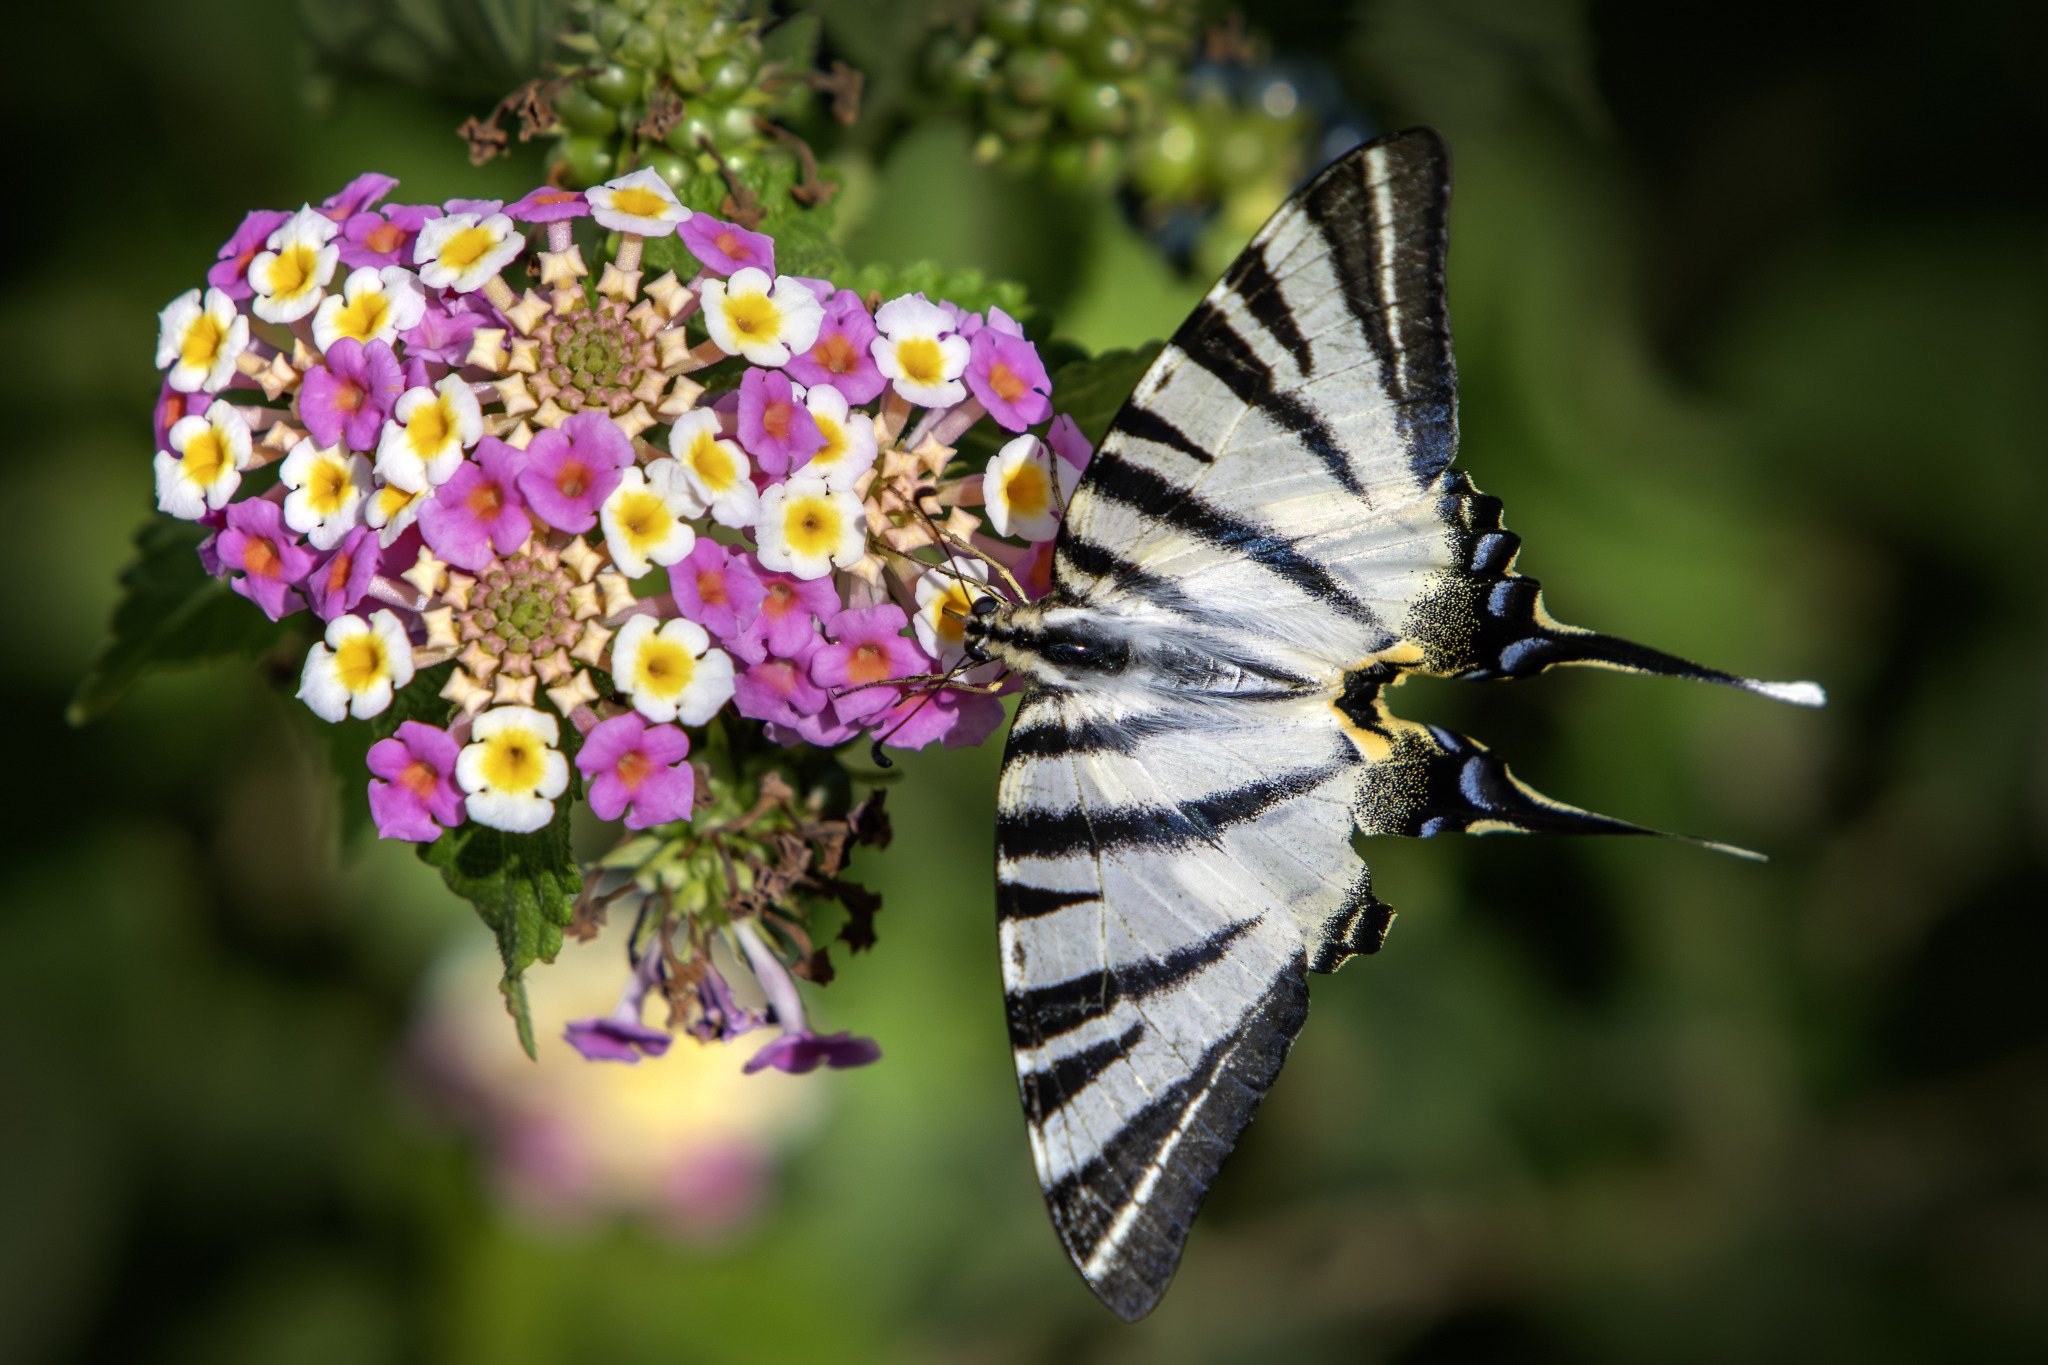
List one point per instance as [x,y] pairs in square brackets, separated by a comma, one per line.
[172,614]
[970,289]
[523,885]
[1093,391]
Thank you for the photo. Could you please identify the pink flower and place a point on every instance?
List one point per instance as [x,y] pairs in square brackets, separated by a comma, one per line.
[956,719]
[418,797]
[479,509]
[724,248]
[444,331]
[173,407]
[1005,373]
[1034,571]
[266,553]
[342,579]
[383,238]
[231,276]
[636,769]
[366,191]
[349,397]
[548,205]
[780,690]
[842,356]
[791,608]
[482,208]
[571,471]
[719,589]
[869,648]
[775,428]
[797,1053]
[610,1038]
[1067,442]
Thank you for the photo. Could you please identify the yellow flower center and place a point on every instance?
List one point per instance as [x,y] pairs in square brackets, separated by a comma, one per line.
[360,663]
[639,202]
[752,315]
[812,526]
[922,361]
[391,500]
[835,440]
[713,465]
[949,614]
[645,519]
[1027,490]
[665,668]
[429,428]
[329,486]
[513,761]
[202,341]
[364,316]
[205,458]
[293,271]
[467,247]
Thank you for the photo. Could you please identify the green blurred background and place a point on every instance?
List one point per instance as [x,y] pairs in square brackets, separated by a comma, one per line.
[1750,314]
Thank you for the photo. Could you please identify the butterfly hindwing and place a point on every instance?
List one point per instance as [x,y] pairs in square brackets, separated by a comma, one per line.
[1163,891]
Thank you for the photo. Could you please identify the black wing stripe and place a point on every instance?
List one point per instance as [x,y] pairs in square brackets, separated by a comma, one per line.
[1015,900]
[1150,493]
[1077,555]
[1034,832]
[1208,339]
[1141,423]
[1047,1011]
[1253,281]
[1052,739]
[1047,1090]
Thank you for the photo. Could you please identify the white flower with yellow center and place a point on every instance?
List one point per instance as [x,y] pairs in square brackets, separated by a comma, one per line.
[806,528]
[1026,488]
[328,486]
[426,434]
[671,673]
[200,340]
[716,472]
[641,202]
[373,305]
[358,668]
[918,352]
[945,596]
[291,277]
[512,770]
[849,447]
[748,316]
[389,510]
[464,251]
[204,465]
[646,519]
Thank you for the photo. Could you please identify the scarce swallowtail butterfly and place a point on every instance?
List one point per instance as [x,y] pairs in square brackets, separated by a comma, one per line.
[1271,535]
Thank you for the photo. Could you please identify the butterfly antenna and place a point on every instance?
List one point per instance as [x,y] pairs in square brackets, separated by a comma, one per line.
[945,541]
[882,760]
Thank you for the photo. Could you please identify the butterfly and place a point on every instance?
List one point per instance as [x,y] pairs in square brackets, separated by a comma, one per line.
[1270,536]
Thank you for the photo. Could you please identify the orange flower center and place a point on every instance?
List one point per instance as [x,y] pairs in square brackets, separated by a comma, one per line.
[727,242]
[573,478]
[781,597]
[338,571]
[775,420]
[711,589]
[260,559]
[867,664]
[348,396]
[384,237]
[634,769]
[486,500]
[836,354]
[419,778]
[1005,381]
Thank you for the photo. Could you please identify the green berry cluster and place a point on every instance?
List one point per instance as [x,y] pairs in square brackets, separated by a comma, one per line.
[1064,83]
[657,81]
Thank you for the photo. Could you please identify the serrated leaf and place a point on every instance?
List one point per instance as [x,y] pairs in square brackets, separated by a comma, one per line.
[172,614]
[524,886]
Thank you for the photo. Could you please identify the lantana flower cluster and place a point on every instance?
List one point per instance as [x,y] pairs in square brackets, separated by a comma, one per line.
[594,513]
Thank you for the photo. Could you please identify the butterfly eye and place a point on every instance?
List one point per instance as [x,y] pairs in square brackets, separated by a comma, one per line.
[984,606]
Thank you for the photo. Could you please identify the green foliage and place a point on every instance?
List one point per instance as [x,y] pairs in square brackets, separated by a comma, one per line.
[1093,390]
[524,886]
[970,289]
[172,614]
[803,236]
[470,48]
